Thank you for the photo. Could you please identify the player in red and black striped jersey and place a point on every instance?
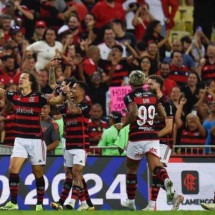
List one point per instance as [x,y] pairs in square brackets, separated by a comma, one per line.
[76,112]
[143,138]
[164,129]
[28,142]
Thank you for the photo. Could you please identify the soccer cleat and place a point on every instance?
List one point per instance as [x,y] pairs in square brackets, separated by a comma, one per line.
[176,202]
[39,207]
[69,206]
[127,204]
[169,190]
[208,206]
[83,207]
[149,208]
[10,207]
[91,208]
[56,206]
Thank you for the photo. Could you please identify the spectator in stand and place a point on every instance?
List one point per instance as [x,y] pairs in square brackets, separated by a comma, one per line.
[153,53]
[208,124]
[179,72]
[98,90]
[110,135]
[168,83]
[39,31]
[197,48]
[8,119]
[170,8]
[130,7]
[89,4]
[7,70]
[153,33]
[161,11]
[96,127]
[45,49]
[109,42]
[90,62]
[103,18]
[6,25]
[52,14]
[90,32]
[50,130]
[43,80]
[187,59]
[78,8]
[141,20]
[117,68]
[121,34]
[145,66]
[74,27]
[191,91]
[193,133]
[206,68]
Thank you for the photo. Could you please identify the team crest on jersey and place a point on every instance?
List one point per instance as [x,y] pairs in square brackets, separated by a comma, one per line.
[138,95]
[31,99]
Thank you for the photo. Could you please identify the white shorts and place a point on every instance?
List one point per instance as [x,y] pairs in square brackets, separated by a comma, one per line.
[74,156]
[165,153]
[137,150]
[35,149]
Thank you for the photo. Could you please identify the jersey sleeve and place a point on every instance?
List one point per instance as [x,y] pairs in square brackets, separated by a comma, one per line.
[84,107]
[44,99]
[168,108]
[128,99]
[9,95]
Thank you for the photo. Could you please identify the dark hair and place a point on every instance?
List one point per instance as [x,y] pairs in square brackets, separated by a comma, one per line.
[150,29]
[119,47]
[33,80]
[120,22]
[158,79]
[186,39]
[196,74]
[82,86]
[172,54]
[142,46]
[165,63]
[49,29]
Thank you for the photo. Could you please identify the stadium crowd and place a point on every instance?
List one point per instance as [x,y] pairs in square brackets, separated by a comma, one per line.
[101,49]
[83,48]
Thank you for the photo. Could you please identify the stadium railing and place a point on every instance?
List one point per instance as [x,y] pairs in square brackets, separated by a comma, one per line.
[184,150]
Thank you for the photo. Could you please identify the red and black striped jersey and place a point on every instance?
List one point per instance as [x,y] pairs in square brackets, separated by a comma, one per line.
[27,110]
[179,75]
[189,137]
[95,130]
[143,128]
[76,126]
[9,129]
[208,71]
[160,124]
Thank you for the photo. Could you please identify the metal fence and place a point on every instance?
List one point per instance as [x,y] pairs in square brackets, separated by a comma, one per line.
[183,150]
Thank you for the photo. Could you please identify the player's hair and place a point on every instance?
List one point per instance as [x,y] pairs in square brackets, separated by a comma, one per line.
[35,86]
[82,85]
[158,79]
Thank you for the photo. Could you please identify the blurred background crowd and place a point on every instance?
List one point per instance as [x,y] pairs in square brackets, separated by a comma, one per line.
[101,42]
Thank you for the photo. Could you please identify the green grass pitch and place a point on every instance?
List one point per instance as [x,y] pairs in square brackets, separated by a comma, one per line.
[66,212]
